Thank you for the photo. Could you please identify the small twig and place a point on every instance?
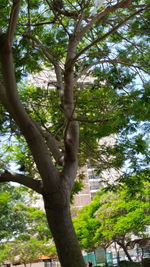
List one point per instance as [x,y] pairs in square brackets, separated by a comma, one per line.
[39,24]
[90,121]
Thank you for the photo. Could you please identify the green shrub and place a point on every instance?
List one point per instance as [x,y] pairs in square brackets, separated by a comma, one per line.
[146,262]
[129,264]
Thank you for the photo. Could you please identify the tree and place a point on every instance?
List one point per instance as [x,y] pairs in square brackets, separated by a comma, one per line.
[27,251]
[117,215]
[36,224]
[72,40]
[86,225]
[23,228]
[18,217]
[12,220]
[124,217]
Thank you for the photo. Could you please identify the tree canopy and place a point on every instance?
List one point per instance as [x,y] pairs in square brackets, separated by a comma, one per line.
[99,55]
[26,251]
[115,216]
[24,231]
[112,103]
[12,220]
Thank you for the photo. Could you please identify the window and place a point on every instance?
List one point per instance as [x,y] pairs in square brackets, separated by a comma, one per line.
[48,263]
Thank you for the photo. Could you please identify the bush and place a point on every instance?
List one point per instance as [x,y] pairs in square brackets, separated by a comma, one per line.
[146,262]
[129,264]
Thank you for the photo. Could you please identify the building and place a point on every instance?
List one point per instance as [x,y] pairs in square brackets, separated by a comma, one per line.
[43,261]
[84,196]
[92,181]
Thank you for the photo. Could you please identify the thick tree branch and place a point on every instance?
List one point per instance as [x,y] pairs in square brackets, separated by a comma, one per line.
[78,24]
[3,99]
[53,146]
[71,139]
[52,143]
[33,184]
[29,130]
[60,84]
[101,38]
[13,20]
[71,134]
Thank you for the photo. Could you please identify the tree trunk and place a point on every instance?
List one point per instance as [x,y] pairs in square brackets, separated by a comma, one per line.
[126,252]
[60,223]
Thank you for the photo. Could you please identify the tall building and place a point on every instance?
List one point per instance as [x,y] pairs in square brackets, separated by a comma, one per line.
[84,196]
[92,181]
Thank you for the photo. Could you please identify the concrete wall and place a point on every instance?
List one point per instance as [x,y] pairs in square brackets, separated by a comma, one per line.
[54,263]
[36,264]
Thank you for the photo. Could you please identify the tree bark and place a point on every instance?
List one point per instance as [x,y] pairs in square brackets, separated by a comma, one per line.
[126,251]
[56,189]
[127,254]
[60,223]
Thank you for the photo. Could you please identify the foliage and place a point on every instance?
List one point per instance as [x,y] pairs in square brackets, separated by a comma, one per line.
[23,228]
[25,251]
[12,220]
[86,225]
[129,264]
[113,102]
[98,56]
[114,216]
[120,215]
